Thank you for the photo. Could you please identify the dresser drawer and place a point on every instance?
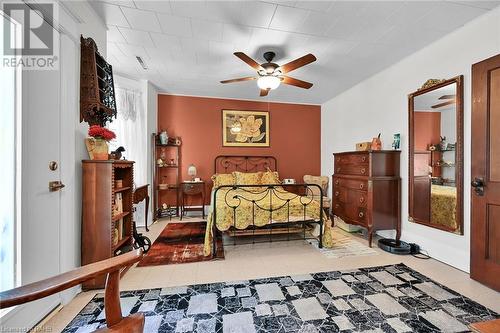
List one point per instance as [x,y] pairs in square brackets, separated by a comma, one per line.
[355,213]
[350,183]
[352,213]
[188,188]
[351,159]
[348,196]
[352,169]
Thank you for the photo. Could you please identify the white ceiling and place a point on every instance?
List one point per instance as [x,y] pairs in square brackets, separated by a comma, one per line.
[425,101]
[188,45]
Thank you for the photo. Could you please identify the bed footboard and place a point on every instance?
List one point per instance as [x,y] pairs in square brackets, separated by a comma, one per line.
[262,209]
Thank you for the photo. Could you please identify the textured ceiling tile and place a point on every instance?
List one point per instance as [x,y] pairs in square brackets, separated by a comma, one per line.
[174,25]
[142,19]
[111,14]
[155,6]
[207,30]
[288,18]
[137,37]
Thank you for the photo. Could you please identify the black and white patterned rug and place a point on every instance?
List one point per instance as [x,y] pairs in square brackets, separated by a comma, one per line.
[379,299]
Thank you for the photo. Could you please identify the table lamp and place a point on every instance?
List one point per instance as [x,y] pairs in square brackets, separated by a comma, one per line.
[192,171]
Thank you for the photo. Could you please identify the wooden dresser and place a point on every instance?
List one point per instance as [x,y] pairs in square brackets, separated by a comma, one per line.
[106,232]
[366,190]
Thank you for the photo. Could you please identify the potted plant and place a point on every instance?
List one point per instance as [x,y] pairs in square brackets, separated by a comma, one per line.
[97,144]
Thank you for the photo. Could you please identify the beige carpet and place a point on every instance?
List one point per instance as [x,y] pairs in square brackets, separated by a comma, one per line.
[344,246]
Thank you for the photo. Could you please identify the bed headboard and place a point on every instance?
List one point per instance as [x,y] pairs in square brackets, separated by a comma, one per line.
[230,163]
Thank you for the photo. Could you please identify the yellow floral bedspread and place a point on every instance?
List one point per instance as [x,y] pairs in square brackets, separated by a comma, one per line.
[444,206]
[245,211]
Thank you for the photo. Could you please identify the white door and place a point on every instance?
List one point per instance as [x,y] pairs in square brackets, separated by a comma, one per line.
[39,220]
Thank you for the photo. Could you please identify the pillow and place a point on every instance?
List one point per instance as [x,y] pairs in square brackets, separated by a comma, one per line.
[247,178]
[221,179]
[270,178]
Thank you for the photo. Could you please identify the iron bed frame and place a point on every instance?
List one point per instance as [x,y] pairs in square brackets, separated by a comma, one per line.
[265,193]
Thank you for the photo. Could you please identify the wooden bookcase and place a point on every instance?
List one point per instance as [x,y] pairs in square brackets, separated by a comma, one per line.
[99,219]
[169,173]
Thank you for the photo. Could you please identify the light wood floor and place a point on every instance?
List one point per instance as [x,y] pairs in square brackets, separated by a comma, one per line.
[273,259]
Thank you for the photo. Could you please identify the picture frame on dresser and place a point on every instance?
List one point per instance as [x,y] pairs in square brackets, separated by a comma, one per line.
[366,190]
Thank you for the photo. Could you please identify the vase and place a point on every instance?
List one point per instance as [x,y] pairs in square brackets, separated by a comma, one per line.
[98,148]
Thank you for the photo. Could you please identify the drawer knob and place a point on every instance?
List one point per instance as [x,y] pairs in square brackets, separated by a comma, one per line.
[361,214]
[361,186]
[363,158]
[336,193]
[338,169]
[337,206]
[362,199]
[337,182]
[363,170]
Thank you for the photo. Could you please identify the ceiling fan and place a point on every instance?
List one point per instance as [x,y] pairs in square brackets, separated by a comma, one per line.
[271,75]
[448,99]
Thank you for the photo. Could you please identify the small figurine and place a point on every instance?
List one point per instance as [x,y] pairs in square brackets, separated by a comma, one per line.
[117,154]
[376,143]
[443,143]
[397,141]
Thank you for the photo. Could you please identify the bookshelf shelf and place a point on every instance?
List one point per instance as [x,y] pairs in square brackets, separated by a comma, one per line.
[120,216]
[166,173]
[121,189]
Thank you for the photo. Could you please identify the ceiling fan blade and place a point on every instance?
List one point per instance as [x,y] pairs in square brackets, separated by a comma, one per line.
[264,92]
[440,105]
[297,63]
[447,97]
[248,78]
[296,82]
[254,64]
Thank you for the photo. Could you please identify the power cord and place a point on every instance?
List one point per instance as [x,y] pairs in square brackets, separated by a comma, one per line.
[422,254]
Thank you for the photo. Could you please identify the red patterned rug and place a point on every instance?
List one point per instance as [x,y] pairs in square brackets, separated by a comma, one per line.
[180,243]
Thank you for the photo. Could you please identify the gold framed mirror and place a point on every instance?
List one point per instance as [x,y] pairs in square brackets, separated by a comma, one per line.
[435,114]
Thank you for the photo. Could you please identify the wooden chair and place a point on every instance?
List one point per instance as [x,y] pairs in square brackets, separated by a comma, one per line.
[142,193]
[322,181]
[112,267]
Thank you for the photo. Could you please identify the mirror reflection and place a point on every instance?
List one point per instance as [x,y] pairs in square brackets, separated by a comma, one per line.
[434,198]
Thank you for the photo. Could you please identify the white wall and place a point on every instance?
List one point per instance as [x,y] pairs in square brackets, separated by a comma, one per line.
[379,104]
[152,117]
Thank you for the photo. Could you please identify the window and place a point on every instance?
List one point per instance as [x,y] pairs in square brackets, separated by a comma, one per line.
[9,177]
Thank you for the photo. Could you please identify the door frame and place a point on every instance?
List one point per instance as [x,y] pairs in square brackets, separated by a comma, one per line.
[479,163]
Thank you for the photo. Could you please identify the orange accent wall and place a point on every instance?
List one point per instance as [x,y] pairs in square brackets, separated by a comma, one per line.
[427,129]
[295,134]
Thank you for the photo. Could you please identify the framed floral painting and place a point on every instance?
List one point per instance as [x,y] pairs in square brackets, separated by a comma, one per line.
[245,128]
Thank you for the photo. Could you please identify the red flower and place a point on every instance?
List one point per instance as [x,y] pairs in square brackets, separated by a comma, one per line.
[99,132]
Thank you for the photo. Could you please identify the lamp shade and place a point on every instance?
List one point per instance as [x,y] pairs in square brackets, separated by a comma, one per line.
[192,170]
[268,82]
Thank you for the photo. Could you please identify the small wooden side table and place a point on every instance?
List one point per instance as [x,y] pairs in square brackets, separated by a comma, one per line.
[192,189]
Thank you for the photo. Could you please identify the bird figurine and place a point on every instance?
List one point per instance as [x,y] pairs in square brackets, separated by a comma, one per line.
[117,154]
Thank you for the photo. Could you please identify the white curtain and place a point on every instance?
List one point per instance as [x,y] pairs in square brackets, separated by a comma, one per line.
[130,130]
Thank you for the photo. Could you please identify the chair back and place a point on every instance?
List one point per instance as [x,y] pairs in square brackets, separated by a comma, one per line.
[322,181]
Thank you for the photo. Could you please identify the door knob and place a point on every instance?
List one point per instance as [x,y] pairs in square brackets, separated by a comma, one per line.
[478,185]
[55,185]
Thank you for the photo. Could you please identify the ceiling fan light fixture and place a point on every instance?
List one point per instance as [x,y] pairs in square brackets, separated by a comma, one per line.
[268,82]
